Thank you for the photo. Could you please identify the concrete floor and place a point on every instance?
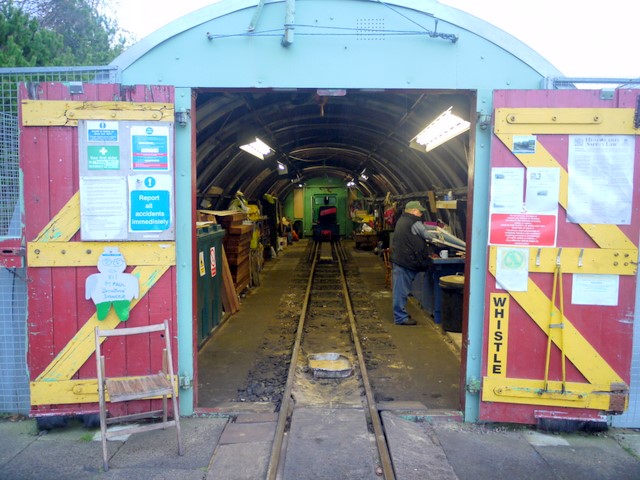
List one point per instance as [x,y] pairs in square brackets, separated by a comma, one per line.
[417,363]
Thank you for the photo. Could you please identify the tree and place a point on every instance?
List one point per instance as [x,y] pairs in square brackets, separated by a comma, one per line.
[23,43]
[92,37]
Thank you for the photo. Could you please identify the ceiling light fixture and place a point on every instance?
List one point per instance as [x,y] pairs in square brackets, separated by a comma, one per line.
[281,166]
[363,175]
[257,149]
[442,129]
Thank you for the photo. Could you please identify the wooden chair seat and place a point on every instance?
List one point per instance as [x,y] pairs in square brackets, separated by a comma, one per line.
[124,389]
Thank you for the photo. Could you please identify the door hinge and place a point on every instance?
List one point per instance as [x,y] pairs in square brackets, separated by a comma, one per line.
[473,385]
[185,381]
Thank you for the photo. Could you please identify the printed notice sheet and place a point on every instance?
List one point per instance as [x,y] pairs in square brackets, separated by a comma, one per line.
[103,208]
[507,188]
[543,190]
[600,178]
[519,221]
[592,289]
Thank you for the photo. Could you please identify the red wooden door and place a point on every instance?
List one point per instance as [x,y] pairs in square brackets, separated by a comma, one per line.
[564,226]
[61,319]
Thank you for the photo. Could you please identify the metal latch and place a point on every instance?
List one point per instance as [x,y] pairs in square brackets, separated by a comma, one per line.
[12,257]
[13,251]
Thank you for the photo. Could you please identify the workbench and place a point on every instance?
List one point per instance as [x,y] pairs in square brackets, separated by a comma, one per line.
[365,240]
[426,286]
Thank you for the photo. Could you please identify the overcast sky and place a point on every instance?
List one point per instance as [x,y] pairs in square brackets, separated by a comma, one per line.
[580,38]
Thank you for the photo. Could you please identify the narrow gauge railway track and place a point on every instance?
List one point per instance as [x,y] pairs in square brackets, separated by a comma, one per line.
[318,403]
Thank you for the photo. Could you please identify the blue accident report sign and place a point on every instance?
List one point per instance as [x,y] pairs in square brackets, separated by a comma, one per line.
[150,203]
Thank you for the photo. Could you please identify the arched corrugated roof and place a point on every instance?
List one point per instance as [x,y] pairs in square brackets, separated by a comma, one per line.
[396,73]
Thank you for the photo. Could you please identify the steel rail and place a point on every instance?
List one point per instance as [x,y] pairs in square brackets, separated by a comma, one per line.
[283,415]
[381,442]
[286,406]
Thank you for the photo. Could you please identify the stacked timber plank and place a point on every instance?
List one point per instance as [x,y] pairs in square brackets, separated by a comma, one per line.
[237,244]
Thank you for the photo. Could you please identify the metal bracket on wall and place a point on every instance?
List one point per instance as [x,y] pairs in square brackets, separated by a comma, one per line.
[256,16]
[288,23]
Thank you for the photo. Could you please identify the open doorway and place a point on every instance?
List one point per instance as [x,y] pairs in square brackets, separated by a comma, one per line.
[336,144]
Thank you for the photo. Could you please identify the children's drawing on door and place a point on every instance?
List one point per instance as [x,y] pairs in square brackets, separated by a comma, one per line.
[111,286]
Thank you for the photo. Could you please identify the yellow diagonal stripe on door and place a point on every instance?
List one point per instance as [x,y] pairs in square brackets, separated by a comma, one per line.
[577,349]
[62,228]
[606,236]
[64,225]
[82,345]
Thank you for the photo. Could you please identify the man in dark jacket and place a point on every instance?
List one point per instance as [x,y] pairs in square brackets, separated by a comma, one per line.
[409,255]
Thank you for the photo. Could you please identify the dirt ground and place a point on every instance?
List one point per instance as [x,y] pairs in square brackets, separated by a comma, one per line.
[246,360]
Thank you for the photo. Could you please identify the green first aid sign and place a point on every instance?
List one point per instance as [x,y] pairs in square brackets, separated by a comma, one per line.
[103,157]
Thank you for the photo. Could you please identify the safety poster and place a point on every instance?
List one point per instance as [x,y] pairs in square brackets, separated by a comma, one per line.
[126,180]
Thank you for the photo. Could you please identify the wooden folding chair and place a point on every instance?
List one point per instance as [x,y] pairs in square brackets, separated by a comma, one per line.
[123,389]
[386,253]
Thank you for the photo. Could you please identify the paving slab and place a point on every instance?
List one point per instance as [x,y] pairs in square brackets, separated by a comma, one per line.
[15,436]
[54,456]
[257,417]
[248,433]
[159,449]
[72,452]
[629,439]
[240,461]
[475,452]
[415,450]
[600,456]
[329,444]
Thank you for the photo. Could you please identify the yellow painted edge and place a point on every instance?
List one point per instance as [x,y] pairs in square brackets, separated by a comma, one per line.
[86,254]
[593,396]
[606,236]
[594,260]
[65,224]
[82,345]
[48,113]
[579,121]
[577,349]
[64,392]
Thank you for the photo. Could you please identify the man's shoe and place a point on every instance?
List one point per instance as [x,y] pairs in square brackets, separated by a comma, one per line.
[407,321]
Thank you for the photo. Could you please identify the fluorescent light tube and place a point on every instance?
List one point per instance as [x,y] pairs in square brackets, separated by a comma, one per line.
[442,129]
[257,149]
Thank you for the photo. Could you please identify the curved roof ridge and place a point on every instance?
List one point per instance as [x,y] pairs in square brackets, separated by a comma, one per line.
[433,8]
[179,25]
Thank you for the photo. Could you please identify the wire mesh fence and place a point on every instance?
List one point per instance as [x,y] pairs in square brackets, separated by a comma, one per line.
[9,176]
[10,79]
[14,381]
